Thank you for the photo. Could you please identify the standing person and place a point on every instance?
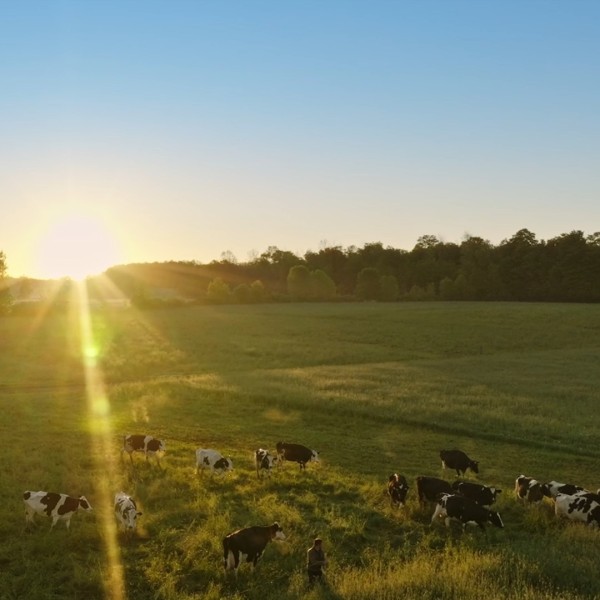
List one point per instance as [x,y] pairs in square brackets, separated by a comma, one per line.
[315,561]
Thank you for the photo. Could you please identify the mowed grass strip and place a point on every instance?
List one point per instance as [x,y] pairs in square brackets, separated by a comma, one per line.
[374,388]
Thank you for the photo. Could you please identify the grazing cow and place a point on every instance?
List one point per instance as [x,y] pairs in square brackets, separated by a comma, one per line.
[142,443]
[126,511]
[58,506]
[583,507]
[264,461]
[458,460]
[466,511]
[482,494]
[207,458]
[429,489]
[248,543]
[397,489]
[296,453]
[530,490]
[555,488]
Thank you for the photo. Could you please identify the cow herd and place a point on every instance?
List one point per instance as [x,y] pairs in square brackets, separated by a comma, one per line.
[463,501]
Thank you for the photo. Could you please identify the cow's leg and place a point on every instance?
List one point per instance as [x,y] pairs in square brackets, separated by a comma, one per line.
[54,520]
[447,521]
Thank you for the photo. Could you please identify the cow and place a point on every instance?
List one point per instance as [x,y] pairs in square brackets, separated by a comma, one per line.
[530,490]
[264,461]
[249,544]
[126,512]
[296,453]
[430,488]
[60,507]
[482,494]
[142,443]
[458,460]
[397,489]
[569,489]
[466,511]
[583,507]
[206,458]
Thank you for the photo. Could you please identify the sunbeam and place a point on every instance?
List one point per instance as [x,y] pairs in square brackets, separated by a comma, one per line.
[100,432]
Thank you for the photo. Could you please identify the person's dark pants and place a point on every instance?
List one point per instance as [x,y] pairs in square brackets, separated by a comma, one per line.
[314,576]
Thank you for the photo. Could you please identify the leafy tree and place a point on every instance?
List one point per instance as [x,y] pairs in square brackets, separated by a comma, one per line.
[368,284]
[299,283]
[323,287]
[390,289]
[6,299]
[447,289]
[242,293]
[257,291]
[218,291]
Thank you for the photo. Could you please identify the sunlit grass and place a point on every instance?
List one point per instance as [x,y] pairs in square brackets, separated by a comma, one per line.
[375,389]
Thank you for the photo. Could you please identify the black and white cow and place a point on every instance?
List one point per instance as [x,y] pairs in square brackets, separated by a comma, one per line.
[60,507]
[530,490]
[397,489]
[482,494]
[458,460]
[584,507]
[264,461]
[296,453]
[126,512]
[248,544]
[555,487]
[142,443]
[214,461]
[429,489]
[466,511]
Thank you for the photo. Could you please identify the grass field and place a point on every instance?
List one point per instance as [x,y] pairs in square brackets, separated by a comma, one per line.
[375,388]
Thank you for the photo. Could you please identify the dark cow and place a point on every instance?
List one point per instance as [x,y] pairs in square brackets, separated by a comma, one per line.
[429,489]
[482,494]
[530,490]
[397,489]
[555,487]
[264,461]
[58,506]
[583,507]
[296,453]
[142,443]
[466,511]
[458,460]
[248,544]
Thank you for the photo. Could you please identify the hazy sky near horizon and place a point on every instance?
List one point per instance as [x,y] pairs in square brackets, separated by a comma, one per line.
[177,130]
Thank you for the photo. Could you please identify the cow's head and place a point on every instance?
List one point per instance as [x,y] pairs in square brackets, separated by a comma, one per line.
[224,465]
[277,532]
[130,515]
[474,466]
[314,456]
[84,504]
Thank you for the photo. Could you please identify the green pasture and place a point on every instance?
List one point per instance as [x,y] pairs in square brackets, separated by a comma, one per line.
[375,388]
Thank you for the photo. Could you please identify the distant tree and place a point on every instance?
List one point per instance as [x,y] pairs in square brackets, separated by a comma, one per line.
[447,289]
[416,292]
[299,283]
[218,291]
[242,293]
[390,289]
[368,284]
[323,287]
[257,291]
[6,299]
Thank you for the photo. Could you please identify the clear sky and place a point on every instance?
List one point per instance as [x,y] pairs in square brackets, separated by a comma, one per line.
[179,129]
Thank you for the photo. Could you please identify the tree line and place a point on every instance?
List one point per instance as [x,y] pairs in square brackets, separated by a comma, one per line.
[565,268]
[521,268]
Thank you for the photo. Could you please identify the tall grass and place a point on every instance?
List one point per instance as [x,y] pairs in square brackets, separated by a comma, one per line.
[375,388]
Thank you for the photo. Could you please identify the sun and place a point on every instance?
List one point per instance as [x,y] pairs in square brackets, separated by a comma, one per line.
[76,246]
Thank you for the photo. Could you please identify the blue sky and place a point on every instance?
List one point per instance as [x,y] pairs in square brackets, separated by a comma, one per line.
[185,129]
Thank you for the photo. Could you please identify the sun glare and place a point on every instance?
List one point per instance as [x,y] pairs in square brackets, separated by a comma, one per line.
[76,246]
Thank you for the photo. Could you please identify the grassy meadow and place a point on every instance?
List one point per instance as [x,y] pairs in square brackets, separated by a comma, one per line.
[375,388]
